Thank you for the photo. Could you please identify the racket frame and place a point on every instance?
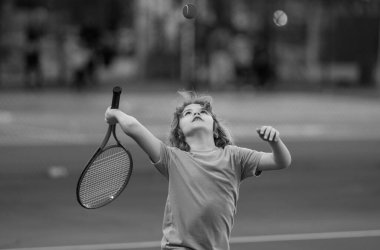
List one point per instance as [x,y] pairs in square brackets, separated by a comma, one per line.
[102,148]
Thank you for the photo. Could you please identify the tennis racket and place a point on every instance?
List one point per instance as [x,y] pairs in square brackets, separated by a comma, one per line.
[108,171]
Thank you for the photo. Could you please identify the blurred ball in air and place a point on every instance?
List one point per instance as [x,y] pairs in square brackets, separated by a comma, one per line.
[189,11]
[280,18]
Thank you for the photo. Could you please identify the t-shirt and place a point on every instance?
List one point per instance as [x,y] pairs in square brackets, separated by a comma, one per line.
[202,194]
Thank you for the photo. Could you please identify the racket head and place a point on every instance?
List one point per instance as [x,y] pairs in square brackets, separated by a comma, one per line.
[105,176]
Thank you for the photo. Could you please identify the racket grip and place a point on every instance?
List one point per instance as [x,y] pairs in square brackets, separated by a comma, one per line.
[116,97]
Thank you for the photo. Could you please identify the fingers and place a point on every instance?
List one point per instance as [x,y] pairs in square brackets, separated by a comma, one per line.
[110,116]
[272,135]
[268,133]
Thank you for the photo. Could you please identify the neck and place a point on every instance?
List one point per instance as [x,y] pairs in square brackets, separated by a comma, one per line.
[200,143]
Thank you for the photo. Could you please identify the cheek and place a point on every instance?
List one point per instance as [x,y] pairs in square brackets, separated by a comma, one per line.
[182,124]
[211,122]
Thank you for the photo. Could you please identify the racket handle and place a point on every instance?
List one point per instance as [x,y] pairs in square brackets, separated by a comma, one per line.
[116,97]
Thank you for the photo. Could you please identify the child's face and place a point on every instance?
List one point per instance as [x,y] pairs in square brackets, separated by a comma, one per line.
[195,117]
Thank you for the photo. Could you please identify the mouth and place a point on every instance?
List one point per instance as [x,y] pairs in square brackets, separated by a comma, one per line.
[197,118]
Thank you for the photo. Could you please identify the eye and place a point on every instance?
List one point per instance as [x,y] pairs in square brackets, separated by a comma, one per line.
[186,113]
[204,112]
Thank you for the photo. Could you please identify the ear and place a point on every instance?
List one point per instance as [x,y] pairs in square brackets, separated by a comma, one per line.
[180,134]
[216,135]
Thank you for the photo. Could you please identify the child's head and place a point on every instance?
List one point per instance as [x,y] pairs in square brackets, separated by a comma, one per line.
[195,105]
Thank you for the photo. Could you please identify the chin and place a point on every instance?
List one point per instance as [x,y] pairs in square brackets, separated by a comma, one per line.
[199,129]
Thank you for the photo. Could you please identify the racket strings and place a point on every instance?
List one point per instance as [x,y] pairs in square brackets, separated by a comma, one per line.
[106,177]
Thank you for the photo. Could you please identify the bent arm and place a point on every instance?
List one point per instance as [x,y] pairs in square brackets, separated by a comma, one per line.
[133,128]
[279,158]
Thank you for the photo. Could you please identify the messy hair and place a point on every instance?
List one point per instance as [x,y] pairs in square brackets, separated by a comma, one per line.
[222,136]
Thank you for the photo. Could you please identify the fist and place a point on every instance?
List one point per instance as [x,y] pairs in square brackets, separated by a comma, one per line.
[110,116]
[268,133]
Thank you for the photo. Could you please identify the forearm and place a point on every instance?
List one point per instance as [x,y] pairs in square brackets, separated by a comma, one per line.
[281,154]
[143,137]
[127,123]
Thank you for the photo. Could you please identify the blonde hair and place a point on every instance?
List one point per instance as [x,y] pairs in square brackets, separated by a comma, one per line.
[222,136]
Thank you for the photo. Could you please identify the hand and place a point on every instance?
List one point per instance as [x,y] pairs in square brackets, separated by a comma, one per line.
[268,133]
[110,116]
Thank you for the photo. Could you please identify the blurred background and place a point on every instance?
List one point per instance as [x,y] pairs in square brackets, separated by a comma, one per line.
[309,68]
[323,44]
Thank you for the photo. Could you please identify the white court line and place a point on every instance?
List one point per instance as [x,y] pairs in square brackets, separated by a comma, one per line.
[306,236]
[233,240]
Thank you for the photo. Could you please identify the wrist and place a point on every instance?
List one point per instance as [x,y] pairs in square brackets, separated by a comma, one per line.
[118,115]
[275,143]
[127,122]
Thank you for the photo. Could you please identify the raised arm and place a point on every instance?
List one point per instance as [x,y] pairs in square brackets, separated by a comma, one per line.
[280,157]
[133,128]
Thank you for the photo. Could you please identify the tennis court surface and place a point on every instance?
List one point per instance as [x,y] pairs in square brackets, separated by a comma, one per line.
[328,199]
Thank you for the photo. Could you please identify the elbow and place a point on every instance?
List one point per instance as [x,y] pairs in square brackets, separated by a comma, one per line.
[288,163]
[285,164]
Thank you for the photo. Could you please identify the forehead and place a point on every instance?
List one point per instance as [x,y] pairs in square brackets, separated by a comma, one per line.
[193,106]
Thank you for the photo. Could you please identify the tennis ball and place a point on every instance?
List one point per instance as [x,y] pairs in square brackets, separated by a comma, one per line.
[280,18]
[189,11]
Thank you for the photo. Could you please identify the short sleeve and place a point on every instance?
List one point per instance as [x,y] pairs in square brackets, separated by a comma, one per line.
[249,161]
[162,164]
